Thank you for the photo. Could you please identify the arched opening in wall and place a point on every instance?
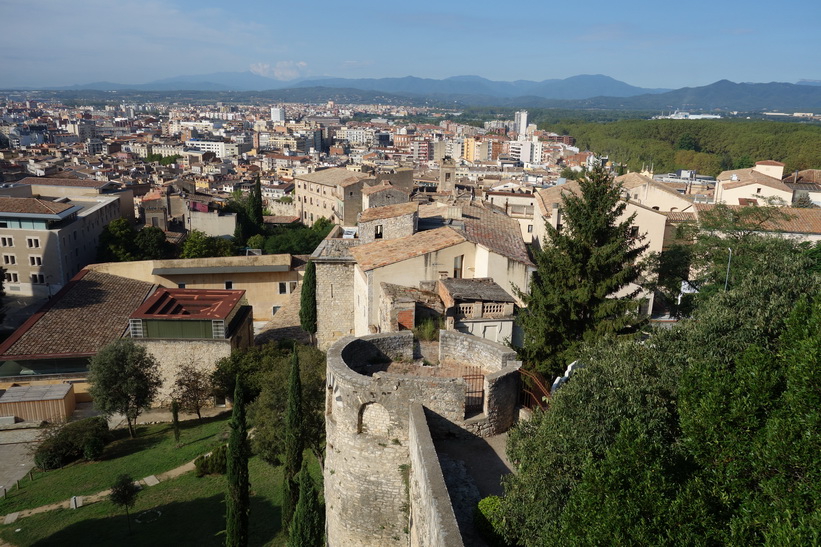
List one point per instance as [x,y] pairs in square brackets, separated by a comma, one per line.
[374,419]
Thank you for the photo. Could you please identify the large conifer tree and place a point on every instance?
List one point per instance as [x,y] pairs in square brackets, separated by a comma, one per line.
[294,443]
[579,269]
[307,527]
[237,498]
[307,300]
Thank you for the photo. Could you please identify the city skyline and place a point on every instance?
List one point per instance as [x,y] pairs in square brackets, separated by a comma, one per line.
[654,46]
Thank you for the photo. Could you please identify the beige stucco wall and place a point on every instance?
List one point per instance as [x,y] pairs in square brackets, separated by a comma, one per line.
[751,191]
[407,273]
[652,196]
[262,289]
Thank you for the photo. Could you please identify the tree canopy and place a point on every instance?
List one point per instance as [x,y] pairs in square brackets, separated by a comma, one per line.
[124,379]
[120,241]
[578,271]
[703,434]
[200,245]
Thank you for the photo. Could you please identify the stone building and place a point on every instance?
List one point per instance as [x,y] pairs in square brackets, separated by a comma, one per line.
[388,222]
[383,482]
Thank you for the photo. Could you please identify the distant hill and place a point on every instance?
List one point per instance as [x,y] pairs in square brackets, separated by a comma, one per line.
[577,92]
[576,87]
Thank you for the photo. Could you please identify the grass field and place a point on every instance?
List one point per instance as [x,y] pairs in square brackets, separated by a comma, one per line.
[152,452]
[183,511]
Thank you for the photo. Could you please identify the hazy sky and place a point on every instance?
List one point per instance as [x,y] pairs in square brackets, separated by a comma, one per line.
[644,43]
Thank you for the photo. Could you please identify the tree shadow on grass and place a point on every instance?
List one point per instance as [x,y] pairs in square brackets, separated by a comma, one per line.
[199,522]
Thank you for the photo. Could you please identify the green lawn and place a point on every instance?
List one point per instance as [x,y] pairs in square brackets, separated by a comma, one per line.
[181,511]
[152,452]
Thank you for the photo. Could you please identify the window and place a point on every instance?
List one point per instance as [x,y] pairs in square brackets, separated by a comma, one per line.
[11,277]
[38,279]
[634,231]
[180,285]
[7,241]
[283,288]
[758,190]
[35,260]
[229,285]
[529,228]
[9,259]
[33,242]
[377,231]
[457,266]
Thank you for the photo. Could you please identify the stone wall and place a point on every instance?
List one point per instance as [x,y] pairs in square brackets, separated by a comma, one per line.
[334,301]
[432,520]
[172,354]
[392,228]
[373,436]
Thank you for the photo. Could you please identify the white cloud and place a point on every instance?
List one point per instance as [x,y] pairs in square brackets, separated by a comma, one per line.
[282,70]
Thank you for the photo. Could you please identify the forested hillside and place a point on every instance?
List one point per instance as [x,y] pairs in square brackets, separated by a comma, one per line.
[710,146]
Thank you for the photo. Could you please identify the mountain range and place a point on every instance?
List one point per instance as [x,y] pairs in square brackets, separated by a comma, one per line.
[583,91]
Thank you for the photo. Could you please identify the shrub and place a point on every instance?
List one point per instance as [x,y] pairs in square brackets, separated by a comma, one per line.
[428,329]
[82,439]
[215,463]
[487,519]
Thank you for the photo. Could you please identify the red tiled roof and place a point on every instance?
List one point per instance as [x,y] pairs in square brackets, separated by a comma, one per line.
[32,206]
[192,304]
[91,311]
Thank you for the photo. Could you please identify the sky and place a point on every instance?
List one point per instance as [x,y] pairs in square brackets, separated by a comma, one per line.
[644,43]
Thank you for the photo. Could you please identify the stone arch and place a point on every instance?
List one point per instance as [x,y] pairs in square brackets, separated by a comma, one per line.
[374,419]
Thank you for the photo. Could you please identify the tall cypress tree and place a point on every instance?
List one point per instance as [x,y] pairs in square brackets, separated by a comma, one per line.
[307,526]
[237,498]
[578,270]
[255,206]
[307,300]
[294,443]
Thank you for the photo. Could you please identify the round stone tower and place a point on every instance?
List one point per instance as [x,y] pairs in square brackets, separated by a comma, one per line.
[371,384]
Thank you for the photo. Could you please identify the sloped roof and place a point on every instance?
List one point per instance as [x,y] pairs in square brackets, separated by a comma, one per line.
[388,211]
[750,176]
[91,311]
[62,181]
[190,304]
[333,177]
[798,221]
[390,251]
[32,206]
[496,231]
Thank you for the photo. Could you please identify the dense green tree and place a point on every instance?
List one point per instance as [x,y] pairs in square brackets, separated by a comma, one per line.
[255,210]
[693,437]
[578,271]
[296,238]
[307,300]
[117,242]
[151,244]
[199,245]
[267,413]
[237,499]
[294,444]
[308,523]
[124,494]
[192,389]
[124,379]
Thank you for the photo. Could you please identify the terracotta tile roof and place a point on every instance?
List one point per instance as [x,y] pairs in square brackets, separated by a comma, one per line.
[91,311]
[388,211]
[32,206]
[747,177]
[770,162]
[546,197]
[495,231]
[382,253]
[368,190]
[333,177]
[55,181]
[678,216]
[633,180]
[807,176]
[798,221]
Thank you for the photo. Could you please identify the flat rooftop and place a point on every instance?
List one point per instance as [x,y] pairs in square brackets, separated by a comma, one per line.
[189,304]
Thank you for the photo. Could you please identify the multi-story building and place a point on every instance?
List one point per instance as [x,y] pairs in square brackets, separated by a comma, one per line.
[45,243]
[335,194]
